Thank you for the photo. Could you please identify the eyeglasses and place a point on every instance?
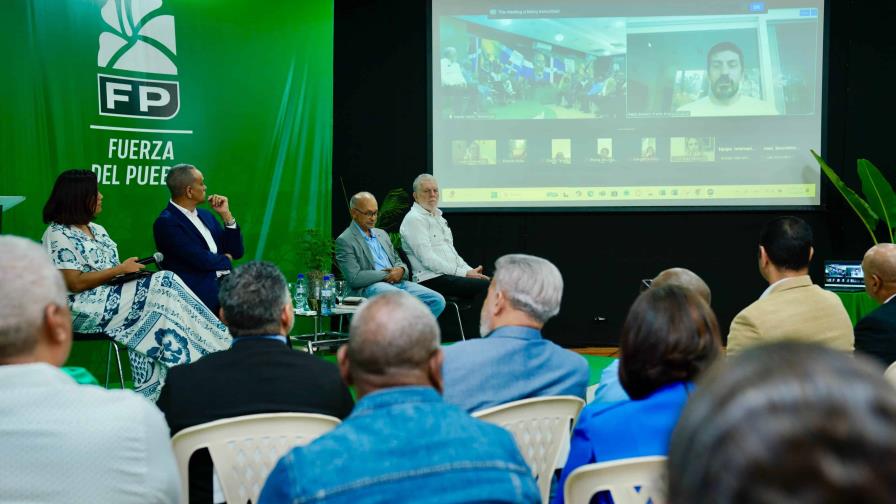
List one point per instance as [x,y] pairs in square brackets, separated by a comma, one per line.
[371,213]
[646,283]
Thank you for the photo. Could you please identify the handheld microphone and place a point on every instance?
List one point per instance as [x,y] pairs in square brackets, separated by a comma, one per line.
[153,259]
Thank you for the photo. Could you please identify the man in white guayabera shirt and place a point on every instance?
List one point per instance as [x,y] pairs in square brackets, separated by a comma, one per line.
[64,442]
[427,240]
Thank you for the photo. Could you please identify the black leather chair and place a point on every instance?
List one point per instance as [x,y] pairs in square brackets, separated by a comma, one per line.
[113,345]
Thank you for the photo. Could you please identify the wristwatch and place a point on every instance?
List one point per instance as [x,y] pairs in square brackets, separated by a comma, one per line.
[231,223]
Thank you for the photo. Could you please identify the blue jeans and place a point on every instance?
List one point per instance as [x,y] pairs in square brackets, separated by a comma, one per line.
[432,299]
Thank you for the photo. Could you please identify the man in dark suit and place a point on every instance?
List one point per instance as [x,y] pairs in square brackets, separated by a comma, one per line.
[876,333]
[194,244]
[368,261]
[258,374]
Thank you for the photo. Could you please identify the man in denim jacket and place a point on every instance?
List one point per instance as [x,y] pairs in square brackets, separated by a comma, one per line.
[401,443]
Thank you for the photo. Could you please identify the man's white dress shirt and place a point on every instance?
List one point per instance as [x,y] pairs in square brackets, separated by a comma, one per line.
[193,216]
[429,244]
[64,442]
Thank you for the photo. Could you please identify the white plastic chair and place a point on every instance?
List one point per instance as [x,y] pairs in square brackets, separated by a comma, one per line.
[890,374]
[629,481]
[540,426]
[245,449]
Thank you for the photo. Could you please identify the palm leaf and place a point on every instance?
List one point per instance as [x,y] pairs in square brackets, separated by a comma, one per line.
[879,193]
[859,206]
[393,206]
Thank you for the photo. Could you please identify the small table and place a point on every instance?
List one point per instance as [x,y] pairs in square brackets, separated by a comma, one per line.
[319,338]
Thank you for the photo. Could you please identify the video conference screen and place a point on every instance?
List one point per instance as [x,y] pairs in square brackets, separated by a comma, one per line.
[577,103]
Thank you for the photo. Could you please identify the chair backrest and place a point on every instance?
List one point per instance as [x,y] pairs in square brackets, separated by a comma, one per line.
[540,426]
[629,481]
[890,374]
[245,449]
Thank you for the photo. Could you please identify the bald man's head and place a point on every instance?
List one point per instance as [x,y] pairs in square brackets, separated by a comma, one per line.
[364,210]
[879,267]
[393,341]
[685,279]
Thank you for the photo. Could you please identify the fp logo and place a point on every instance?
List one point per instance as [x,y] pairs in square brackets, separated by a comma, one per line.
[141,40]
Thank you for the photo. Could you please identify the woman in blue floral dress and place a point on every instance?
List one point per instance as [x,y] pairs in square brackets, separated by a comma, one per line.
[157,317]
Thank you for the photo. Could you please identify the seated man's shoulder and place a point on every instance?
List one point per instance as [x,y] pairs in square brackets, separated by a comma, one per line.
[342,239]
[474,348]
[570,357]
[119,407]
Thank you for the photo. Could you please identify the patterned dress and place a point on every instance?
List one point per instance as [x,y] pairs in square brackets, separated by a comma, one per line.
[158,318]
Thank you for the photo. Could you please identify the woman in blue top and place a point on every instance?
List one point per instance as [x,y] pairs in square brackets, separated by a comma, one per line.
[157,317]
[669,337]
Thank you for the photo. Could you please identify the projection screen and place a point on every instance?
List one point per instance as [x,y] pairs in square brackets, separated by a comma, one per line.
[577,103]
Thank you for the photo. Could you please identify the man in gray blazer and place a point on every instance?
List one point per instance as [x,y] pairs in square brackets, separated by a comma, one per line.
[368,261]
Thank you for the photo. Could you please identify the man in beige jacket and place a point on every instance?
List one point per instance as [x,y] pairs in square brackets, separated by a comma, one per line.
[792,308]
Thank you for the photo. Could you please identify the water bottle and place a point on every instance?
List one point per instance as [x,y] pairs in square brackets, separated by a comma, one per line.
[300,296]
[326,296]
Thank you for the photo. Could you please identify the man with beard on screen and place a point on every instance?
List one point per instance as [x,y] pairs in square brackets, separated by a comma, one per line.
[725,70]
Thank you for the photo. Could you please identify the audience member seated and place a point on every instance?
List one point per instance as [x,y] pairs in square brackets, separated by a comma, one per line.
[786,422]
[258,374]
[429,244]
[512,361]
[195,245]
[370,265]
[402,442]
[64,442]
[669,337]
[791,307]
[157,317]
[876,332]
[609,389]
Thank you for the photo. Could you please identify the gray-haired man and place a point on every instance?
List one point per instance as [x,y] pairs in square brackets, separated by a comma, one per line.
[512,361]
[367,259]
[64,442]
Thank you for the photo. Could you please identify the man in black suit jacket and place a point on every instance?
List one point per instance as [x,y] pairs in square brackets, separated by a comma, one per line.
[876,332]
[194,243]
[258,374]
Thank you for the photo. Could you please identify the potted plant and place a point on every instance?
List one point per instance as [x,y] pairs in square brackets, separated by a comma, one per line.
[315,249]
[880,200]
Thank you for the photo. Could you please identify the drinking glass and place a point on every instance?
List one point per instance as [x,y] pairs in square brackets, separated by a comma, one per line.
[340,290]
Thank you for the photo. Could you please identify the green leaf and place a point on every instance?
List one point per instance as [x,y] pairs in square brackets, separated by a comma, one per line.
[859,206]
[393,207]
[879,193]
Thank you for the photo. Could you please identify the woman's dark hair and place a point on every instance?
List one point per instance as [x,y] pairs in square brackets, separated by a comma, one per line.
[670,335]
[73,198]
[786,422]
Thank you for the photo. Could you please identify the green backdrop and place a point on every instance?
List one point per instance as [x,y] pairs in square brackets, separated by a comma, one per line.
[255,88]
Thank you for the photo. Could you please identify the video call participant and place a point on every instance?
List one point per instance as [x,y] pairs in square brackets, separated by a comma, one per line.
[462,98]
[368,261]
[725,70]
[195,245]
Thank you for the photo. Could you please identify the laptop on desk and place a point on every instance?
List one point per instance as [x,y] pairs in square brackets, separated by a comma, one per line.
[844,275]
